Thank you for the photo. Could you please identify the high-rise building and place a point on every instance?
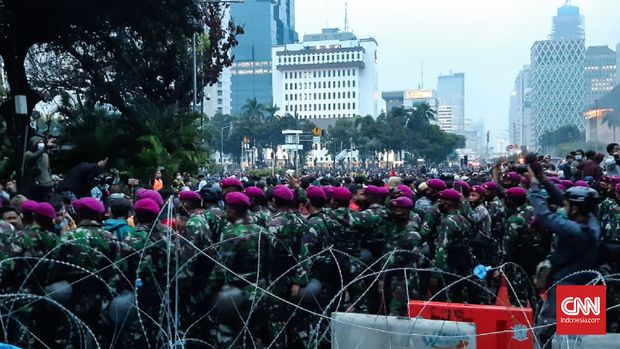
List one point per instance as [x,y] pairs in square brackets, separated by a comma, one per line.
[445,117]
[451,91]
[618,64]
[393,99]
[266,23]
[600,72]
[520,117]
[217,97]
[557,75]
[414,97]
[567,24]
[328,76]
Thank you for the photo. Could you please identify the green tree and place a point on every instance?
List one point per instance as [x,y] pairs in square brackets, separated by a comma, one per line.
[612,119]
[253,110]
[272,111]
[119,52]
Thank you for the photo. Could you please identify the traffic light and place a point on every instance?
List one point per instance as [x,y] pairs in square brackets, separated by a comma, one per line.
[316,132]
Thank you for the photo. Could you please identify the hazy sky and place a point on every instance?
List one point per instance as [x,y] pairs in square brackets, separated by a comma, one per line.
[488,40]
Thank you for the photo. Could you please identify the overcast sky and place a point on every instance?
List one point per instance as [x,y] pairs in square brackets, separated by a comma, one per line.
[488,40]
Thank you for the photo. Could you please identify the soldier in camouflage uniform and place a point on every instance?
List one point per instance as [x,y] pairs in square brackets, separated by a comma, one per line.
[20,276]
[453,254]
[432,216]
[402,240]
[214,215]
[259,214]
[94,249]
[496,209]
[148,262]
[522,246]
[236,299]
[607,191]
[484,246]
[288,265]
[610,257]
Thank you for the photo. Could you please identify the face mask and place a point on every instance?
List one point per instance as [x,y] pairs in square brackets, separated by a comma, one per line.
[578,157]
[40,146]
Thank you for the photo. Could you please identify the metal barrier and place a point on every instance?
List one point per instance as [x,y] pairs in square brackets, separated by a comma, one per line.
[362,331]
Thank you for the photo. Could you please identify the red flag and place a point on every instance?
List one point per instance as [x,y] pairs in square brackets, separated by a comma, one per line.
[393,172]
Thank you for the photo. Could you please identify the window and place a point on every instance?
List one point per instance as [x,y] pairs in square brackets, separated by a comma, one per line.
[219,93]
[348,105]
[286,97]
[219,84]
[220,101]
[353,83]
[354,97]
[220,110]
[353,72]
[353,105]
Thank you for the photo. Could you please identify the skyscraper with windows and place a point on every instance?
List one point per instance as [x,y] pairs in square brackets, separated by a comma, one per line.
[520,117]
[451,92]
[600,72]
[330,75]
[557,74]
[266,23]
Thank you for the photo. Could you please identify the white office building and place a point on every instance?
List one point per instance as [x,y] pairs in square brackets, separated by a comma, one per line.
[328,76]
[445,116]
[217,98]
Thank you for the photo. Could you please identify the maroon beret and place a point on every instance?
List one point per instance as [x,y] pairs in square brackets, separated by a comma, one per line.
[28,206]
[381,192]
[516,192]
[341,194]
[513,176]
[231,182]
[329,190]
[282,192]
[567,183]
[254,192]
[581,183]
[405,191]
[237,198]
[560,187]
[46,210]
[450,194]
[150,194]
[477,189]
[490,186]
[315,192]
[464,185]
[525,180]
[189,195]
[88,204]
[436,184]
[146,206]
[402,202]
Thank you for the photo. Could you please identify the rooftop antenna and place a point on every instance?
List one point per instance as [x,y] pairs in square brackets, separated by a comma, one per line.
[346,16]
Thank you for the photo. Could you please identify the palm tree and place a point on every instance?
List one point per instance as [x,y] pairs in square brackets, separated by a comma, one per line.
[253,110]
[272,110]
[421,113]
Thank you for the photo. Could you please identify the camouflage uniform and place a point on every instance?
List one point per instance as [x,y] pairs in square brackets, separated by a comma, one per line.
[242,251]
[522,246]
[497,210]
[92,248]
[216,220]
[604,209]
[610,241]
[454,255]
[287,266]
[21,276]
[260,217]
[402,285]
[483,245]
[148,263]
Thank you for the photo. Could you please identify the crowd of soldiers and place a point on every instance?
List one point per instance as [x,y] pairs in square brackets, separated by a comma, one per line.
[259,263]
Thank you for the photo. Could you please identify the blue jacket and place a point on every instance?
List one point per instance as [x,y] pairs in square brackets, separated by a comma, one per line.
[120,227]
[576,245]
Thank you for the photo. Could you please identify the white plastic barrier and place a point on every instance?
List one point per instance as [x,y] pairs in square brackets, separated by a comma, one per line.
[361,331]
[608,341]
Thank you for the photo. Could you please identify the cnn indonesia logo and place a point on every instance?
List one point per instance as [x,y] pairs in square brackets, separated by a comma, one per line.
[580,310]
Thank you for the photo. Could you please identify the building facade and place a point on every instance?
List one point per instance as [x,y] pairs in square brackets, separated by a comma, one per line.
[520,116]
[451,92]
[618,64]
[393,99]
[557,74]
[445,117]
[218,97]
[328,76]
[266,23]
[600,73]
